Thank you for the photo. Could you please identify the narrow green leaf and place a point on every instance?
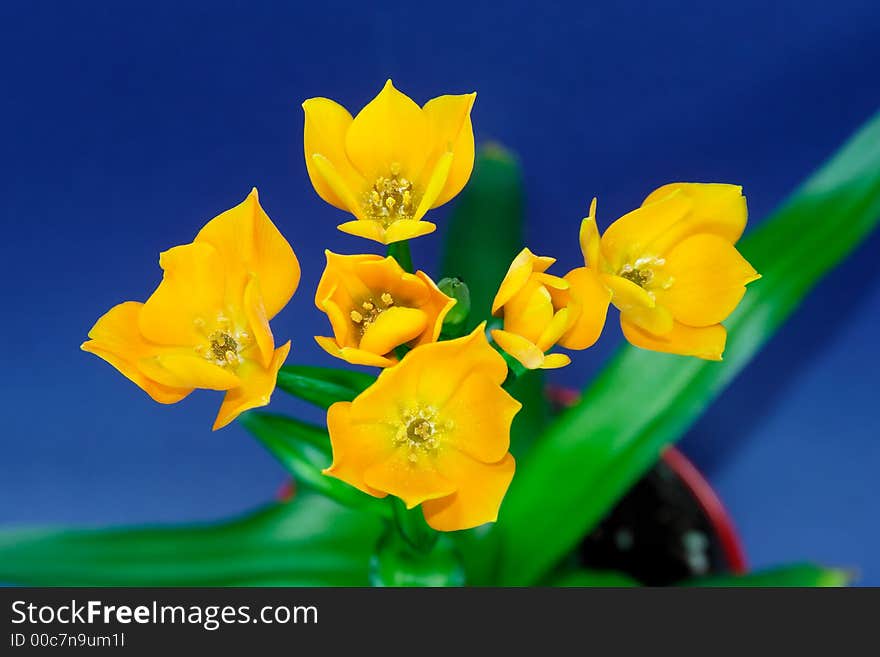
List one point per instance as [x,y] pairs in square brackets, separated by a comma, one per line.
[309,541]
[486,231]
[304,450]
[797,575]
[643,401]
[595,578]
[322,386]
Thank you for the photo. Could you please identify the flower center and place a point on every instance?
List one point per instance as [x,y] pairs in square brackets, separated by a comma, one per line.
[369,311]
[640,277]
[419,432]
[390,198]
[224,345]
[643,272]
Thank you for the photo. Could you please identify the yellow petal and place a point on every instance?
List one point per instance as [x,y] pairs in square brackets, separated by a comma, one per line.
[436,307]
[390,130]
[356,447]
[480,490]
[630,237]
[258,322]
[707,342]
[589,300]
[708,279]
[526,352]
[348,197]
[326,123]
[518,275]
[353,355]
[451,132]
[589,238]
[183,368]
[529,312]
[430,374]
[257,385]
[115,337]
[717,208]
[249,243]
[480,413]
[434,186]
[555,361]
[412,482]
[562,320]
[392,328]
[191,294]
[638,306]
[407,229]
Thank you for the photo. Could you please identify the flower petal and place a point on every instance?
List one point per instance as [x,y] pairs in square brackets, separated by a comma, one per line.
[529,312]
[392,328]
[115,337]
[407,229]
[526,352]
[391,129]
[451,132]
[589,300]
[412,482]
[353,355]
[481,489]
[708,279]
[480,412]
[258,322]
[518,275]
[630,237]
[555,361]
[257,385]
[356,447]
[183,368]
[348,198]
[706,342]
[249,243]
[717,208]
[437,307]
[638,306]
[191,294]
[589,237]
[326,123]
[434,186]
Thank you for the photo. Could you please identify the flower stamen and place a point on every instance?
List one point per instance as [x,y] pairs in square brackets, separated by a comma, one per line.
[223,349]
[369,311]
[391,198]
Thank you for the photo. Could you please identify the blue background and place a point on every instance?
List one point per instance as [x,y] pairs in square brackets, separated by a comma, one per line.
[124,128]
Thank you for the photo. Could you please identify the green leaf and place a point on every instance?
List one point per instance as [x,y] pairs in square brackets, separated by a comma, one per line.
[643,401]
[322,386]
[485,233]
[309,541]
[485,229]
[304,450]
[797,575]
[595,578]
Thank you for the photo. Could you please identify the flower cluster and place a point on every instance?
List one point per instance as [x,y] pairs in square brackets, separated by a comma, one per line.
[434,428]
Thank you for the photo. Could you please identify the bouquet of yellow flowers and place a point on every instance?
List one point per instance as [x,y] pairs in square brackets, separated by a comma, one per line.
[444,465]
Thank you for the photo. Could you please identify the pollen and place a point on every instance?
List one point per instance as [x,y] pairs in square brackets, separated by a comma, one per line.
[223,349]
[419,432]
[391,198]
[369,311]
[640,277]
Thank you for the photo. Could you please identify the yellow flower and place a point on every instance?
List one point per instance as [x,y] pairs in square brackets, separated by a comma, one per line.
[374,306]
[391,163]
[541,310]
[433,430]
[672,268]
[207,324]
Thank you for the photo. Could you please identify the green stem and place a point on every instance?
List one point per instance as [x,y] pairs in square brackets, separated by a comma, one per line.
[411,525]
[400,252]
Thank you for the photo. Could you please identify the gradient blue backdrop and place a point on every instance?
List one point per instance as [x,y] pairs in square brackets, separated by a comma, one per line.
[125,126]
